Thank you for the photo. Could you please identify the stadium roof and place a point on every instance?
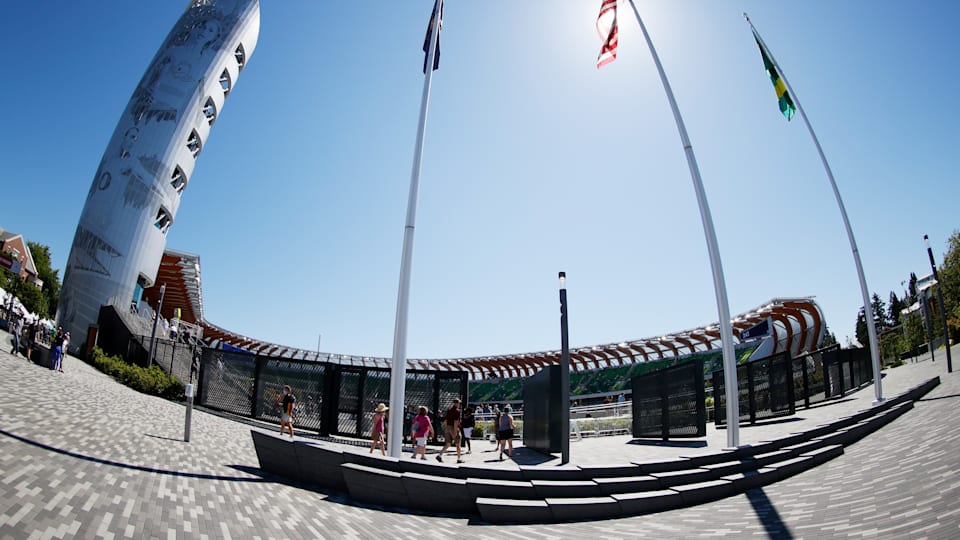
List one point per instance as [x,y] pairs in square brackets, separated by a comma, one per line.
[795,325]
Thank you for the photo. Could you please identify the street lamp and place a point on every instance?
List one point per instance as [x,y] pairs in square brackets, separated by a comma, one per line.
[943,312]
[156,319]
[564,374]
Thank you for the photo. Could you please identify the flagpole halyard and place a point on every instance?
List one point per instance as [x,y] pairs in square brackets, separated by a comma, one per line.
[719,284]
[398,365]
[871,328]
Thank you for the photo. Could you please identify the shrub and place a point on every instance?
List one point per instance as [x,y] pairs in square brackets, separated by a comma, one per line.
[152,381]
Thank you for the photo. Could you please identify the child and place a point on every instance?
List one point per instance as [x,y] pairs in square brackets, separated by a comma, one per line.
[422,428]
[378,432]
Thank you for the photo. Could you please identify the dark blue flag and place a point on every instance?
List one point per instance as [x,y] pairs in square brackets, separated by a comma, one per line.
[437,6]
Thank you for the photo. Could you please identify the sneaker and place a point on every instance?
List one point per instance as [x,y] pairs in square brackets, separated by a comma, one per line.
[440,459]
[501,457]
[461,461]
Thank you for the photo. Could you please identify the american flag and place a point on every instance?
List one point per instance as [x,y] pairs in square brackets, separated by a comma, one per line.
[607,28]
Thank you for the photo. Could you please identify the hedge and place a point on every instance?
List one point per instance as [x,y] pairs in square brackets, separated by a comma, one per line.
[152,381]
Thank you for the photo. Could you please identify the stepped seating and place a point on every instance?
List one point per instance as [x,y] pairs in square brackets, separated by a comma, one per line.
[552,494]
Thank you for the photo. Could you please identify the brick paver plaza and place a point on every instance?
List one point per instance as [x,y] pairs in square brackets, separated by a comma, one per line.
[82,456]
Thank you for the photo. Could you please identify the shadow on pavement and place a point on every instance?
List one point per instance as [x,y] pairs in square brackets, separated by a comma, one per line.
[674,444]
[768,515]
[141,468]
[949,396]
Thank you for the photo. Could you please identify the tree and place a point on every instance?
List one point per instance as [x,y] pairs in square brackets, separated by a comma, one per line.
[949,273]
[912,288]
[879,312]
[49,276]
[29,295]
[861,329]
[828,338]
[896,306]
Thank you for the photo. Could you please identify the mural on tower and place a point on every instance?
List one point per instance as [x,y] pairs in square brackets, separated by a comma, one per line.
[147,165]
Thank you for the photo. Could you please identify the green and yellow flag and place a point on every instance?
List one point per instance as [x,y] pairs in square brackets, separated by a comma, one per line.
[786,103]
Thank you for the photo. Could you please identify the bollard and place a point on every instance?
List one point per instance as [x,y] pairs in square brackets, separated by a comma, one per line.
[188,392]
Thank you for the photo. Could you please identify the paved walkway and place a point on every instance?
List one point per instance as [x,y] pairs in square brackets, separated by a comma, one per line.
[81,456]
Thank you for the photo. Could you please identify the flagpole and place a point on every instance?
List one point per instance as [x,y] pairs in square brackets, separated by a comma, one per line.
[398,368]
[719,285]
[867,313]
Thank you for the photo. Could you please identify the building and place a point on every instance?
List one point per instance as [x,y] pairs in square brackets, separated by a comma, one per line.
[15,257]
[147,166]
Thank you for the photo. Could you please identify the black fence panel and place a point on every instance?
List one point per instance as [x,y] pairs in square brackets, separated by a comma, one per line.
[765,388]
[376,390]
[306,380]
[847,370]
[227,381]
[331,398]
[670,402]
[542,422]
[810,377]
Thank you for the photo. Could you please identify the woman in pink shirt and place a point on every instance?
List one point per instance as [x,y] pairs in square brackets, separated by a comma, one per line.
[422,428]
[379,432]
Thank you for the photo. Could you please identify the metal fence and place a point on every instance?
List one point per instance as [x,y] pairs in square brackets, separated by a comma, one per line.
[846,370]
[177,357]
[670,402]
[765,390]
[331,398]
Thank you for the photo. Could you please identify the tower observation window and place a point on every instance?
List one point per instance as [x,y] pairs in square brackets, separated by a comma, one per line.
[194,144]
[241,56]
[210,110]
[178,180]
[163,220]
[225,83]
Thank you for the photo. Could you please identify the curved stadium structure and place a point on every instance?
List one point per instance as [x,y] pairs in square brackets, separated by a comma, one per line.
[147,165]
[782,324]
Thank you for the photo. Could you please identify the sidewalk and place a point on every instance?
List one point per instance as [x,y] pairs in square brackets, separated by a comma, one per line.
[82,456]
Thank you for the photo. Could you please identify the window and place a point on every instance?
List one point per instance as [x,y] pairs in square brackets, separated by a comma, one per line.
[241,56]
[163,220]
[194,144]
[178,180]
[210,110]
[225,82]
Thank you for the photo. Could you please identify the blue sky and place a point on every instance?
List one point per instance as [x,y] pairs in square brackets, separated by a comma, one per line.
[534,162]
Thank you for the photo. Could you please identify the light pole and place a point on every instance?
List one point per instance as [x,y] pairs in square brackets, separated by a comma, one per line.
[156,319]
[943,312]
[564,374]
[319,337]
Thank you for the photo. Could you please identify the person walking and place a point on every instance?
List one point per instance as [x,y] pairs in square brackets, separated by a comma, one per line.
[33,335]
[64,347]
[378,432]
[451,430]
[466,427]
[408,415]
[505,432]
[422,428]
[57,350]
[286,401]
[15,329]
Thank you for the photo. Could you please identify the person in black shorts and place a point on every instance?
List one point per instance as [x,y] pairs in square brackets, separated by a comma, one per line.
[286,402]
[505,432]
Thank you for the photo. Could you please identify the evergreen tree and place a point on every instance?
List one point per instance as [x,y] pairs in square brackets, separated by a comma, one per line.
[879,313]
[896,306]
[828,338]
[912,288]
[861,329]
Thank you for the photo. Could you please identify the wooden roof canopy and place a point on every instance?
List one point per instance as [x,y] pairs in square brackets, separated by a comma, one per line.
[796,325]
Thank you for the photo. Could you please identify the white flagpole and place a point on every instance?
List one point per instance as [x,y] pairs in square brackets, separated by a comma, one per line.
[867,307]
[719,285]
[398,368]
